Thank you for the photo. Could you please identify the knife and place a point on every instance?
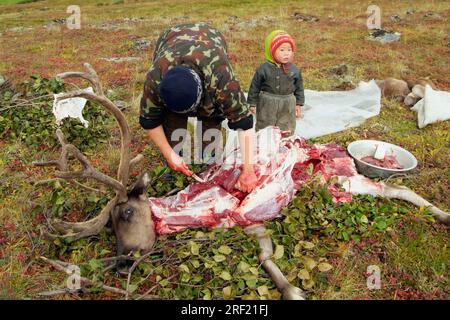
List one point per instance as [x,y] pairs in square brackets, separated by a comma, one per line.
[197,178]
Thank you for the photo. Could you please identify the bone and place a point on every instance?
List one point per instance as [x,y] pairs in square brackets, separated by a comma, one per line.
[288,291]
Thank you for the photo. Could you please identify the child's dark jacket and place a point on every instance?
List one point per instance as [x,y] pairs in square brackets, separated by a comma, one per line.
[271,78]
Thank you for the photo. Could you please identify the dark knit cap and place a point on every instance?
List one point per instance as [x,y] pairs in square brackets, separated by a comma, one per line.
[180,89]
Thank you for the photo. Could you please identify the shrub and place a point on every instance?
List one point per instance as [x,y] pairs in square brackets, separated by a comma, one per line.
[28,117]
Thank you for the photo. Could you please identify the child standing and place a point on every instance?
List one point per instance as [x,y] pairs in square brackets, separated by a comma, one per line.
[276,93]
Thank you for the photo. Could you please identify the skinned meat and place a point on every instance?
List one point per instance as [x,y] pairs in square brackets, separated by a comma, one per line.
[388,162]
[199,205]
[282,166]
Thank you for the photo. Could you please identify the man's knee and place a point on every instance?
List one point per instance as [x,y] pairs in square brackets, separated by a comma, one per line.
[211,138]
[175,127]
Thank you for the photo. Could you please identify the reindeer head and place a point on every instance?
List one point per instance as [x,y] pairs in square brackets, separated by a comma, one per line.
[132,220]
[129,210]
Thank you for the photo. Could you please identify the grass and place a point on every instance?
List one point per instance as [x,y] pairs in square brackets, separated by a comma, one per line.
[6,2]
[413,256]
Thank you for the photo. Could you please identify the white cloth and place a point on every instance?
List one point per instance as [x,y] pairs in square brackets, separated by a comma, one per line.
[434,107]
[328,112]
[71,107]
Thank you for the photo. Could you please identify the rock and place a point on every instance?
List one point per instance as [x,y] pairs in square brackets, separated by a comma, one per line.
[110,94]
[305,17]
[421,81]
[181,19]
[141,44]
[134,19]
[384,36]
[240,23]
[411,99]
[344,86]
[121,59]
[108,26]
[122,105]
[378,128]
[20,29]
[393,88]
[419,90]
[232,19]
[268,18]
[417,93]
[339,70]
[432,15]
[56,24]
[410,11]
[396,18]
[122,24]
[247,24]
[59,21]
[53,27]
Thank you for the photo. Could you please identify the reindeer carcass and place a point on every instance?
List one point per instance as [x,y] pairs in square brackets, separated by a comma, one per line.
[281,168]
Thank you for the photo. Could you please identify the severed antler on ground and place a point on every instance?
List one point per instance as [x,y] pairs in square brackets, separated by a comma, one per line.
[119,184]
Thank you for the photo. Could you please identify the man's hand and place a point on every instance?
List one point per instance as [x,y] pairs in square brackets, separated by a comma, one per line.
[298,111]
[177,163]
[253,109]
[247,181]
[174,160]
[285,133]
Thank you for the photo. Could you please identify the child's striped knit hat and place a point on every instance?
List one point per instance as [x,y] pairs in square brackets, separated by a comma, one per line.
[274,40]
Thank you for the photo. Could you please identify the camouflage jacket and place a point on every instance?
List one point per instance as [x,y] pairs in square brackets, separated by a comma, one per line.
[202,48]
[271,78]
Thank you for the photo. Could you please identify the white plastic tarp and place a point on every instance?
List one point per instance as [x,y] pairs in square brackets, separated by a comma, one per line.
[328,112]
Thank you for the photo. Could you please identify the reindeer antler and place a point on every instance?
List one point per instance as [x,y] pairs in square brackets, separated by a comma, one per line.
[88,170]
[93,226]
[98,96]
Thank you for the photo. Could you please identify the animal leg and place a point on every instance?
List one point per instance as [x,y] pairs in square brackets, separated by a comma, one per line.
[403,193]
[288,291]
[359,184]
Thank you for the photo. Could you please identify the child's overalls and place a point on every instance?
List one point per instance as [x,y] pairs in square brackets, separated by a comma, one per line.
[276,110]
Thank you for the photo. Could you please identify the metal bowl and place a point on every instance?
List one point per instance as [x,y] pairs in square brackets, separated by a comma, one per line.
[363,148]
